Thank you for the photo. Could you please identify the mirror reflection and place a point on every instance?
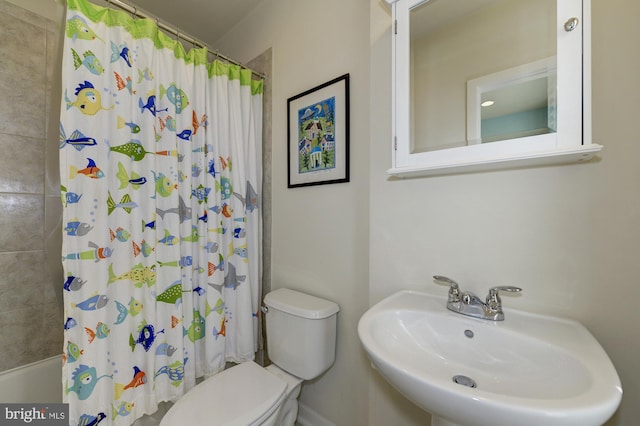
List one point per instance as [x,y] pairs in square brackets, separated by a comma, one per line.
[465,53]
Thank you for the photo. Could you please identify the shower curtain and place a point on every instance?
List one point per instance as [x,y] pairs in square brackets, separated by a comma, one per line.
[160,160]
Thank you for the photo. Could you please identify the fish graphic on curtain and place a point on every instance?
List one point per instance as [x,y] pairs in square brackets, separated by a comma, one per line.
[160,166]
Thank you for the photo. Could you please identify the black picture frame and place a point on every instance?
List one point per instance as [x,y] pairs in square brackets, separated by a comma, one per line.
[318,135]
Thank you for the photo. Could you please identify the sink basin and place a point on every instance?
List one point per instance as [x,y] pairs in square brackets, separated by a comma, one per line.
[528,370]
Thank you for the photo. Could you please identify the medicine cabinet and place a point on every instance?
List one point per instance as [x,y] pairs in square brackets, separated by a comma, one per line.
[488,84]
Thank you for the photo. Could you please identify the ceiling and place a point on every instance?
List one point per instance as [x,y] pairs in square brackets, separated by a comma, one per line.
[206,20]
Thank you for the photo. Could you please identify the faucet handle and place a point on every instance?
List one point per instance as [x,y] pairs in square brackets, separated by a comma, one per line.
[454,288]
[493,299]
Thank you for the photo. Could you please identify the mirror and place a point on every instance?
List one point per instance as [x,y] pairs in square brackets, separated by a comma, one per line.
[489,81]
[453,43]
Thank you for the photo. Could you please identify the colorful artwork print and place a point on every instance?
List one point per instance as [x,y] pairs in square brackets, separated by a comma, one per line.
[316,136]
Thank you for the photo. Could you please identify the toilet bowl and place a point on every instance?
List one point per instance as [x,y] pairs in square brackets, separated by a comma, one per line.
[301,336]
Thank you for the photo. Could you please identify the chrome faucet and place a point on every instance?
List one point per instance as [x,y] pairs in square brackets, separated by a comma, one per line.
[467,303]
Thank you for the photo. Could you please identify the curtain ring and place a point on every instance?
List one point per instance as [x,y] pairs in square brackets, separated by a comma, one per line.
[134,14]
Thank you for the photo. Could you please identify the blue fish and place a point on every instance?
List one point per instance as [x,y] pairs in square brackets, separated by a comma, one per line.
[76,139]
[77,229]
[199,290]
[146,337]
[201,193]
[211,247]
[175,371]
[212,168]
[150,225]
[121,51]
[176,96]
[89,420]
[73,283]
[165,349]
[150,105]
[239,233]
[225,187]
[122,313]
[91,304]
[169,239]
[70,323]
[72,197]
[90,61]
[84,379]
[184,135]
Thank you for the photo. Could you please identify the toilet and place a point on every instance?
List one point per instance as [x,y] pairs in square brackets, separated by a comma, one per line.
[301,339]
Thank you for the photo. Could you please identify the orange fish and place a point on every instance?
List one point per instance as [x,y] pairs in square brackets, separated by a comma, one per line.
[139,379]
[121,84]
[212,268]
[175,321]
[223,329]
[91,171]
[227,210]
[198,123]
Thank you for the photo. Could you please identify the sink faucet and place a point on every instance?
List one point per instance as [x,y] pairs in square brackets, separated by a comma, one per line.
[467,303]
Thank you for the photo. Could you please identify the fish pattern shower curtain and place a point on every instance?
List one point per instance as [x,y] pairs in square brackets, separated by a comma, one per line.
[160,159]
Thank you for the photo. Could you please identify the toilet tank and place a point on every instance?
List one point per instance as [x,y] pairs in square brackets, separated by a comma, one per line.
[301,332]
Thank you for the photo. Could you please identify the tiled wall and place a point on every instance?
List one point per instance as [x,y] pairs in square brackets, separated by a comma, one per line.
[30,208]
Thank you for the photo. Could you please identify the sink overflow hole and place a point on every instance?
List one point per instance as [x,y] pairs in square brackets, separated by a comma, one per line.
[469,334]
[465,381]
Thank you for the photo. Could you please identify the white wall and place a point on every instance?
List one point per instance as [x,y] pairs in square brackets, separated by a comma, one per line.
[568,235]
[320,234]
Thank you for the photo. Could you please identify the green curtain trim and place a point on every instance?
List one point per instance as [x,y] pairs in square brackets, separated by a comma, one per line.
[147,28]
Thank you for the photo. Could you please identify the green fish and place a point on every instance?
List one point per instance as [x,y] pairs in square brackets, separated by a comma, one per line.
[77,28]
[171,295]
[196,329]
[90,61]
[164,186]
[194,235]
[125,203]
[219,306]
[73,352]
[135,306]
[133,149]
[138,274]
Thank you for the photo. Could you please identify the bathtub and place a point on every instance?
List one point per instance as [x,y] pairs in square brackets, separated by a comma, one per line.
[40,382]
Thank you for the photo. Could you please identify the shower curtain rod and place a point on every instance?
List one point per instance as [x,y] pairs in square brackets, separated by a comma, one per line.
[179,35]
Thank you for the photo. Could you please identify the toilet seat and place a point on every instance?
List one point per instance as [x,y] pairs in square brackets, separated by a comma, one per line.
[245,394]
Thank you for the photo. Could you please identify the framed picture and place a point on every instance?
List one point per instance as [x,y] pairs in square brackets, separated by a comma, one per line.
[318,135]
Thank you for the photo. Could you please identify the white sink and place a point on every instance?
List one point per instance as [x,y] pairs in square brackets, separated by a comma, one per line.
[529,370]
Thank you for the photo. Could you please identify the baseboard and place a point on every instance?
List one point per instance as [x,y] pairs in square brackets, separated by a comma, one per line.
[309,417]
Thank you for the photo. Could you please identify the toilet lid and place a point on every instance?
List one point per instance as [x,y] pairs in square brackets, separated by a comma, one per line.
[239,396]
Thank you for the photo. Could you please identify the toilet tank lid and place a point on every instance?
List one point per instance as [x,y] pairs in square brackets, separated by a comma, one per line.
[300,304]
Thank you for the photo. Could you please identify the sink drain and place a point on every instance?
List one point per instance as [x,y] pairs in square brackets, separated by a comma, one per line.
[465,381]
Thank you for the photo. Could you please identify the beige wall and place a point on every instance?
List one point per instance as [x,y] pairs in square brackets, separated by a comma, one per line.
[568,235]
[320,234]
